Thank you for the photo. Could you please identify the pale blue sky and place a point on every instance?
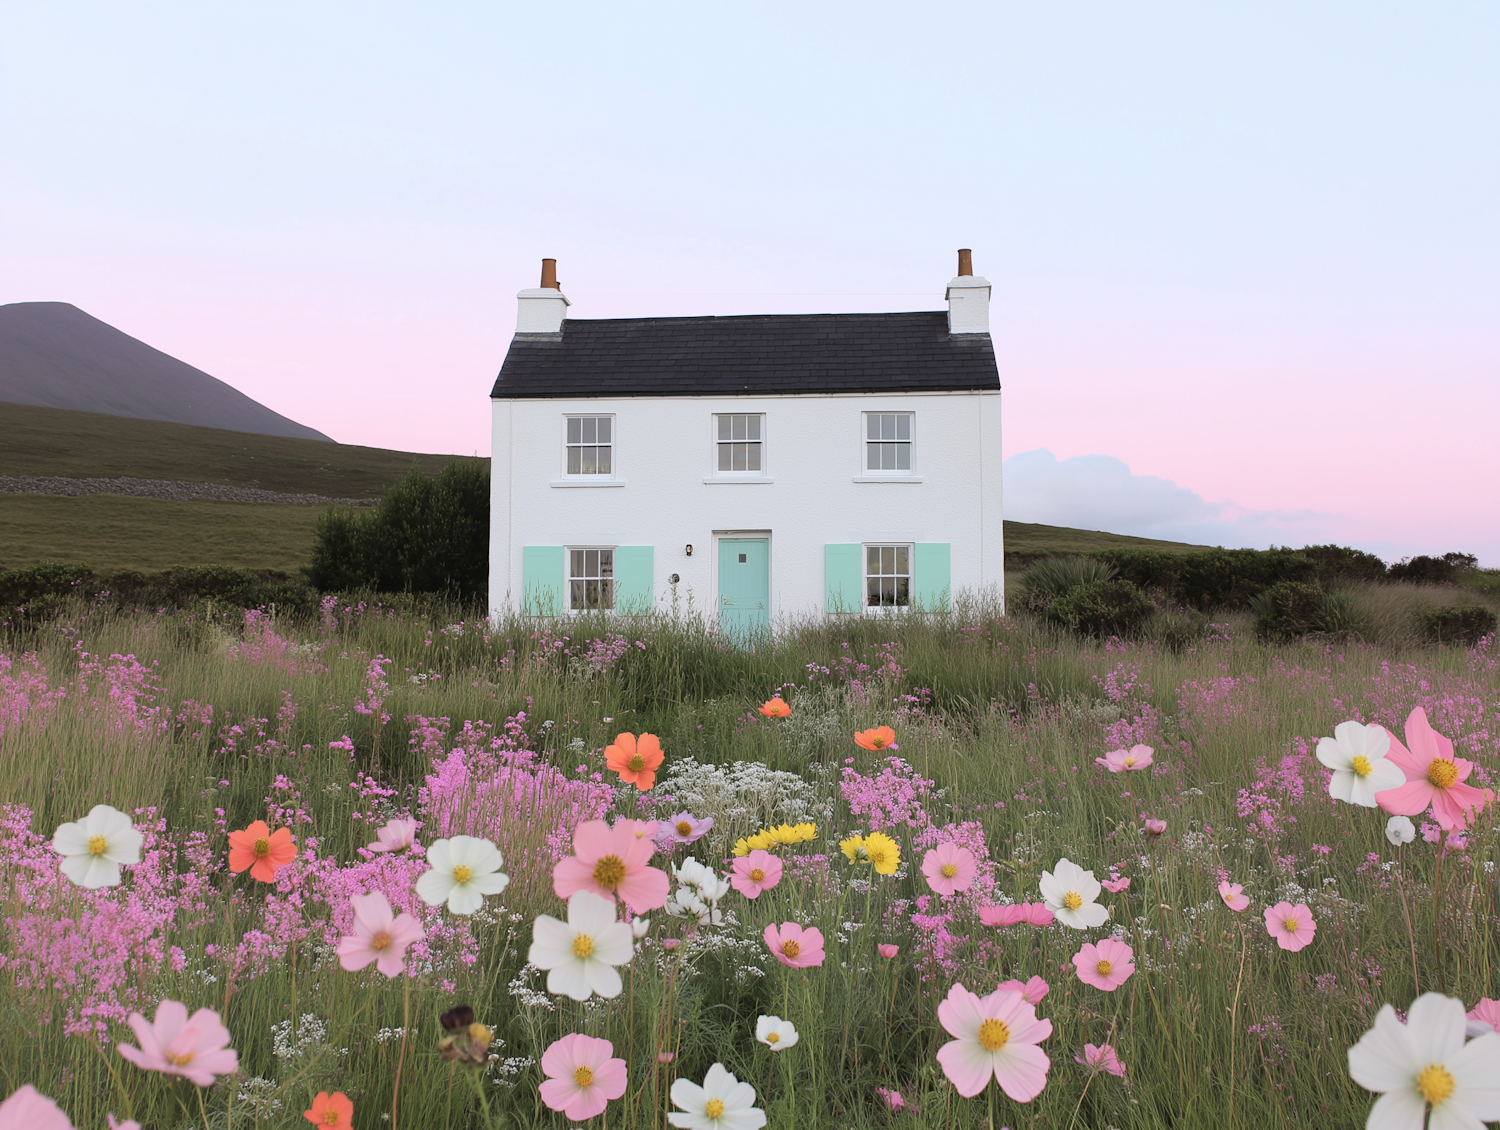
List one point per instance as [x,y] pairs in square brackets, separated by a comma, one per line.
[1251,249]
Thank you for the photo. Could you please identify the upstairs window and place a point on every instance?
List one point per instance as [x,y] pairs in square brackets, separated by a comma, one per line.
[887,577]
[591,449]
[888,441]
[591,580]
[740,440]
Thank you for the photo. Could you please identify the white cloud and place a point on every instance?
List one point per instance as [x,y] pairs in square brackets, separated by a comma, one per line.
[1099,492]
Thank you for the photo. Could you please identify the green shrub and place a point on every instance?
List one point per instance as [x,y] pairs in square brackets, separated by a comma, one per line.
[1052,578]
[38,593]
[1288,610]
[1458,623]
[1444,570]
[1211,578]
[1102,608]
[1175,628]
[425,536]
[1340,563]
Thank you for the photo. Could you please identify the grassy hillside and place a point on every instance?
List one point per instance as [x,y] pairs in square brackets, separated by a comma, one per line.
[1027,541]
[81,445]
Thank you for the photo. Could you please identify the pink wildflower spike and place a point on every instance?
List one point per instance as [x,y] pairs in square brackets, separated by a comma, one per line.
[1106,966]
[195,1047]
[1125,760]
[612,861]
[1115,886]
[582,1076]
[1292,926]
[949,868]
[1032,991]
[29,1109]
[379,936]
[1101,1058]
[994,1036]
[1233,896]
[751,874]
[795,947]
[1434,776]
[396,835]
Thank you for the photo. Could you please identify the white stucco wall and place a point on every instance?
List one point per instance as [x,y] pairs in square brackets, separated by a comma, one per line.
[814,452]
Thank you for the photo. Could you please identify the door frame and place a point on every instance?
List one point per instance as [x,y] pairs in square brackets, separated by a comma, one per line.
[719,535]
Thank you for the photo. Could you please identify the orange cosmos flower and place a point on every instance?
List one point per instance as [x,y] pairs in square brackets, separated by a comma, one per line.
[775,708]
[636,761]
[261,851]
[330,1112]
[881,737]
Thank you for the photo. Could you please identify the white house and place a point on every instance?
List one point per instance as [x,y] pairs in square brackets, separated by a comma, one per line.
[761,465]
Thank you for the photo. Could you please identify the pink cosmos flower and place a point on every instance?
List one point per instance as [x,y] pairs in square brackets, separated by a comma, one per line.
[396,835]
[1434,776]
[1122,760]
[128,1124]
[1485,1013]
[995,1035]
[1032,991]
[1115,886]
[1101,1058]
[29,1109]
[794,946]
[1292,926]
[379,936]
[1037,914]
[949,868]
[751,874]
[1106,966]
[611,862]
[1154,827]
[195,1047]
[1233,896]
[893,1099]
[581,1076]
[1017,914]
[682,828]
[887,951]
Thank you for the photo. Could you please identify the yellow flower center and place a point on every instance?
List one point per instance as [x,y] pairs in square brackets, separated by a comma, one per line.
[462,873]
[261,848]
[1072,900]
[773,1037]
[182,1059]
[1361,765]
[380,940]
[1442,773]
[714,1108]
[878,742]
[1435,1084]
[584,1076]
[609,872]
[791,947]
[1290,925]
[684,828]
[756,874]
[583,945]
[330,1117]
[481,1034]
[1227,896]
[98,845]
[1103,968]
[636,763]
[993,1035]
[877,857]
[949,871]
[1130,763]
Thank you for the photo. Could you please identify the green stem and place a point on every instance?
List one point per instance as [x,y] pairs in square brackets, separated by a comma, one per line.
[401,1059]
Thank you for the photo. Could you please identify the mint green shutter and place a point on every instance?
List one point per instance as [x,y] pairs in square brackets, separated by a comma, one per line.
[543,583]
[933,582]
[635,590]
[843,578]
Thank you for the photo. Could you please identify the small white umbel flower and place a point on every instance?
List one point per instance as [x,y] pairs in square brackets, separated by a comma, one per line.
[1356,754]
[94,848]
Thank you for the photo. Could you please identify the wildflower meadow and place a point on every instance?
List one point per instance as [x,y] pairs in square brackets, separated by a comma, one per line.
[385,868]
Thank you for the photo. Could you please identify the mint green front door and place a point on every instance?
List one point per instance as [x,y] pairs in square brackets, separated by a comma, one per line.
[744,585]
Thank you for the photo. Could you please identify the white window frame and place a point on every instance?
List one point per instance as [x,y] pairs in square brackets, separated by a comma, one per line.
[865,471]
[614,453]
[739,476]
[569,578]
[866,576]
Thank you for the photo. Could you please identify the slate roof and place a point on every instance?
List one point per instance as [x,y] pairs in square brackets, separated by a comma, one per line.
[750,355]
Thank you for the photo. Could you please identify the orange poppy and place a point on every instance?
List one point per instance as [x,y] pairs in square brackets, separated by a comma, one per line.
[636,761]
[879,738]
[330,1112]
[260,851]
[775,708]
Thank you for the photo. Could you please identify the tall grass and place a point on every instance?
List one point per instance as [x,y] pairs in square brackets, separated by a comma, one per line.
[1218,1028]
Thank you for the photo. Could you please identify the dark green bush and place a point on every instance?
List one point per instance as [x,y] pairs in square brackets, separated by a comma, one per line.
[1458,623]
[425,536]
[1444,570]
[1047,580]
[40,592]
[1210,578]
[1288,610]
[1102,608]
[1175,628]
[1339,562]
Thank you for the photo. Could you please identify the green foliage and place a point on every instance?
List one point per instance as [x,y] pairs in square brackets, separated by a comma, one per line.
[38,593]
[1458,623]
[425,536]
[1211,578]
[1055,576]
[1288,610]
[1444,570]
[1339,562]
[1102,608]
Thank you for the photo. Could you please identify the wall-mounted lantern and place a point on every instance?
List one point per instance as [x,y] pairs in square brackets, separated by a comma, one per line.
[689,551]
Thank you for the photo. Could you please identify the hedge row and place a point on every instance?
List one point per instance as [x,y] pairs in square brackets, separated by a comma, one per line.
[38,592]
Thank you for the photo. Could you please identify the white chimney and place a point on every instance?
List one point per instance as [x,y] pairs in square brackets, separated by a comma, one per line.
[543,308]
[968,299]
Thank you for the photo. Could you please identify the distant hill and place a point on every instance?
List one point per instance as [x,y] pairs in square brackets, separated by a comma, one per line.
[53,355]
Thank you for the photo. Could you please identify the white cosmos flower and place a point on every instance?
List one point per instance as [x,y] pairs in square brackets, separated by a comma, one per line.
[581,953]
[1069,892]
[776,1033]
[1356,754]
[1425,1062]
[93,848]
[699,889]
[1400,830]
[464,870]
[722,1103]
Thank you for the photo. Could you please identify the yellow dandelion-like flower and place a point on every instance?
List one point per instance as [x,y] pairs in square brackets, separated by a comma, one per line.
[806,831]
[884,852]
[747,844]
[854,848]
[783,834]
